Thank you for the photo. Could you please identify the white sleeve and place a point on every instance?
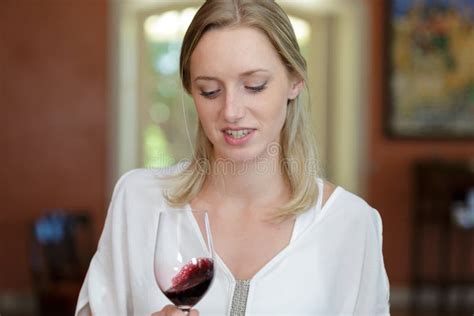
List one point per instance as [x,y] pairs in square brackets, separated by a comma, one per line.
[105,288]
[374,291]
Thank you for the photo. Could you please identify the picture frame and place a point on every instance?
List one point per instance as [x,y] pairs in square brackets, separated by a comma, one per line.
[430,69]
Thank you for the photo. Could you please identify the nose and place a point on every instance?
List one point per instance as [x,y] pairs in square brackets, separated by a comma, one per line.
[233,108]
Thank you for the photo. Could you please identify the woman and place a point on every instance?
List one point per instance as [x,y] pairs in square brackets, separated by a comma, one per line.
[287,242]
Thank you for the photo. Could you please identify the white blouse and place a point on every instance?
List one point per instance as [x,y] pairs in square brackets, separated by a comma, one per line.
[332,266]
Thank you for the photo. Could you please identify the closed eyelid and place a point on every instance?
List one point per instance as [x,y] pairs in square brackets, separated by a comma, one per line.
[256,87]
[210,87]
[207,88]
[210,94]
[257,80]
[256,84]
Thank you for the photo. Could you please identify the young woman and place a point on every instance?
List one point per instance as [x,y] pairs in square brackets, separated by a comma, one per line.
[287,242]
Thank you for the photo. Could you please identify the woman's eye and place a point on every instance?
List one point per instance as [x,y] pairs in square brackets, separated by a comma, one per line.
[256,89]
[210,94]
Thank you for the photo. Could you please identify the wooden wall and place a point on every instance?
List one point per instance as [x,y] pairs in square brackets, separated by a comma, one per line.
[390,184]
[53,87]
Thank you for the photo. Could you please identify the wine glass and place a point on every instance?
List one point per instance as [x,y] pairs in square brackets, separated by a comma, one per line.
[184,261]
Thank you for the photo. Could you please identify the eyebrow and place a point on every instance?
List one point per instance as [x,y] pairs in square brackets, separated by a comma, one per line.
[244,74]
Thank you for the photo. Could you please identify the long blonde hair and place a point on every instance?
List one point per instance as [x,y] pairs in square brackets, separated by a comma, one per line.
[298,151]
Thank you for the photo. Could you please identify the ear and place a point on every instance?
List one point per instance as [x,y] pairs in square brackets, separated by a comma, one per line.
[296,85]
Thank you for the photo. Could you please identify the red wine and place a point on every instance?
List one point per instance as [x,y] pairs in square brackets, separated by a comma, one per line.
[191,283]
[189,296]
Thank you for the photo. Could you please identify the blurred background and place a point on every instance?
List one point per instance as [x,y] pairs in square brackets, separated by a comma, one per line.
[90,89]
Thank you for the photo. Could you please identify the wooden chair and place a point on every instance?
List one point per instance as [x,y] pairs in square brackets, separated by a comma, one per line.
[438,244]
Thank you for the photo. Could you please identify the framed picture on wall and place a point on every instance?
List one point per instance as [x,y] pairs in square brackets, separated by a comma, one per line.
[430,67]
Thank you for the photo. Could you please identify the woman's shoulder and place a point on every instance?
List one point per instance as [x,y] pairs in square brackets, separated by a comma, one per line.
[348,205]
[328,190]
[146,178]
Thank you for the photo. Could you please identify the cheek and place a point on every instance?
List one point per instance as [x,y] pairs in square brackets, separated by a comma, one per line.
[205,116]
[201,109]
[200,112]
[282,117]
[279,114]
[279,108]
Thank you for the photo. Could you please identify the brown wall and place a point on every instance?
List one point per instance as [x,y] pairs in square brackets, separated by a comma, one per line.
[390,185]
[53,119]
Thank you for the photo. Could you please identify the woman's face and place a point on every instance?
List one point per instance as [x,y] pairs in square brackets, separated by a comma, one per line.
[240,88]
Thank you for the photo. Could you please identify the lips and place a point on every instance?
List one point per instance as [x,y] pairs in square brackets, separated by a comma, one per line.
[238,137]
[239,133]
[235,129]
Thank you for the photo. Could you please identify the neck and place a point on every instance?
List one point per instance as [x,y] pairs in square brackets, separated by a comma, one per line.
[247,184]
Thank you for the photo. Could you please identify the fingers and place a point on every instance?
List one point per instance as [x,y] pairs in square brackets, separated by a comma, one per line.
[171,310]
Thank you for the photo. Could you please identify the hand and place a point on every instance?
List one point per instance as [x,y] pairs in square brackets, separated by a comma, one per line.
[171,310]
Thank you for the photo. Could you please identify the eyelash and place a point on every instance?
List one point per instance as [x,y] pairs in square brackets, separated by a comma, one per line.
[210,94]
[257,88]
[213,94]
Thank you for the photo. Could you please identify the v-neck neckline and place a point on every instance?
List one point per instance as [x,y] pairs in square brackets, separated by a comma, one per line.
[298,228]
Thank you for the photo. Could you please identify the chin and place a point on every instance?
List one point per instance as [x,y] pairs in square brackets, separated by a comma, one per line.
[235,157]
[244,155]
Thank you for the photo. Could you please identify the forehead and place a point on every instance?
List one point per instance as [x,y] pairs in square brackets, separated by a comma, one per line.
[228,51]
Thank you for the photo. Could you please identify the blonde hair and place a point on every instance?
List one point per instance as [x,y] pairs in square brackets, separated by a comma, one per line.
[298,151]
